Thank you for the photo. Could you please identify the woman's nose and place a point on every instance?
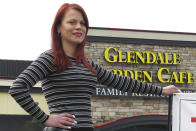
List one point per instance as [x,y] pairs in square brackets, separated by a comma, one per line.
[78,26]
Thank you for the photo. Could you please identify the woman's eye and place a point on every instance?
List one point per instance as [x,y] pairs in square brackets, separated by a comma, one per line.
[82,23]
[71,22]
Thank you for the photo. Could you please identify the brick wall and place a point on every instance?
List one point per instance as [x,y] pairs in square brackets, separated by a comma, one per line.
[116,107]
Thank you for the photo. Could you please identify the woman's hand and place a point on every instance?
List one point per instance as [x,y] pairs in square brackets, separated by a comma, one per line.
[168,90]
[64,120]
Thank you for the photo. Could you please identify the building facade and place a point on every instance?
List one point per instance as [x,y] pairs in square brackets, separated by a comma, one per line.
[160,58]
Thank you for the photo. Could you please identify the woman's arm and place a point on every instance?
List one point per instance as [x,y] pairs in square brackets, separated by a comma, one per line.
[128,84]
[38,70]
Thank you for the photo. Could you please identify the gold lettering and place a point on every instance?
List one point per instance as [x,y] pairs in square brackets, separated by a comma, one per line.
[191,78]
[159,59]
[150,55]
[130,57]
[174,77]
[160,72]
[140,57]
[106,55]
[143,76]
[129,73]
[120,57]
[176,58]
[119,72]
[148,76]
[183,76]
[167,59]
[138,75]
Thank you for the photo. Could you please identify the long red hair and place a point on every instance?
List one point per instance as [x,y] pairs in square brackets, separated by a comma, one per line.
[61,60]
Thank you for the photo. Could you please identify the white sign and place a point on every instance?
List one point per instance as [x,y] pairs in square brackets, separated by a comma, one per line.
[184,112]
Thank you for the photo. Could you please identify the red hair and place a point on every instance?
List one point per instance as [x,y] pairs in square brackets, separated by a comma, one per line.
[61,60]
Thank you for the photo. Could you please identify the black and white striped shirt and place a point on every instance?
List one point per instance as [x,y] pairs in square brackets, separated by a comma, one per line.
[69,91]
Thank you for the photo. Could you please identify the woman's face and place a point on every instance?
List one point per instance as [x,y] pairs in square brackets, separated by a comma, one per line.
[72,28]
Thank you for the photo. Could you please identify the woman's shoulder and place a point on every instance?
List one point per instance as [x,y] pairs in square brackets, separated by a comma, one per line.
[46,56]
[48,52]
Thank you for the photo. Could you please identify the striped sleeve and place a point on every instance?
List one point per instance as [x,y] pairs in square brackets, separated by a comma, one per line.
[125,84]
[35,72]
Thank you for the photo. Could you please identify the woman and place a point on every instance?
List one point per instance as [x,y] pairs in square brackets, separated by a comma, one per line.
[68,79]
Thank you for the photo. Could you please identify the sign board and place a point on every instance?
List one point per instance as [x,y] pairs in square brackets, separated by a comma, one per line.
[183,112]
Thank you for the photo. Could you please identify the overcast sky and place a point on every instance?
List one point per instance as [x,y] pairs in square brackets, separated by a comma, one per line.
[25,24]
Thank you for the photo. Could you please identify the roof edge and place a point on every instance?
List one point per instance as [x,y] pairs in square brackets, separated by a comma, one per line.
[141,30]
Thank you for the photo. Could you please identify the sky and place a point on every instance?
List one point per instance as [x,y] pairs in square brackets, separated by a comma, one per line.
[25,25]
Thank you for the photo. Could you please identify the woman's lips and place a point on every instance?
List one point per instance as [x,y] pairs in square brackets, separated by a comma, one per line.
[77,34]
